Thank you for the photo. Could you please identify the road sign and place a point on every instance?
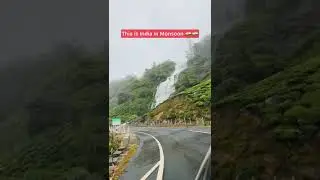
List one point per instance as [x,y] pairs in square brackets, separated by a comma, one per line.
[116,121]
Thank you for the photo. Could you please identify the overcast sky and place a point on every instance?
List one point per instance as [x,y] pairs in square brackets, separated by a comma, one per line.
[29,27]
[133,56]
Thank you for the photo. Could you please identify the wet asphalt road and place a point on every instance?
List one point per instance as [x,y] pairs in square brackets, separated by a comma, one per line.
[183,152]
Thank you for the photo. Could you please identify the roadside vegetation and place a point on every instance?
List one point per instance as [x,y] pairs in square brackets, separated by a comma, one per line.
[266,84]
[119,170]
[53,125]
[114,142]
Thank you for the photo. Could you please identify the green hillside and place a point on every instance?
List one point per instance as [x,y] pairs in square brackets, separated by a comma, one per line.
[134,96]
[191,101]
[56,129]
[192,104]
[198,65]
[266,84]
[273,124]
[116,87]
[267,42]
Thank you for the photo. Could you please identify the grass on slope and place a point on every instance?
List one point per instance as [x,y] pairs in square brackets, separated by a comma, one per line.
[193,104]
[272,127]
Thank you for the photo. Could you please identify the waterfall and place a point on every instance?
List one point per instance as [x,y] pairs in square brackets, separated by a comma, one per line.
[166,88]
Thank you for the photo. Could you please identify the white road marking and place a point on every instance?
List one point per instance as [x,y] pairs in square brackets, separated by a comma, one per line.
[150,171]
[200,132]
[203,163]
[161,161]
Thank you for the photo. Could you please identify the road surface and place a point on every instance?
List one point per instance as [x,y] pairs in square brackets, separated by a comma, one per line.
[174,153]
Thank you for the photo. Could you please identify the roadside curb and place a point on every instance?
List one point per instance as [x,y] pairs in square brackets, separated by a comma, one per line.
[139,143]
[127,146]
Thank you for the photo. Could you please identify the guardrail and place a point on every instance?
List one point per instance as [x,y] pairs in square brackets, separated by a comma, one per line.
[123,129]
[171,123]
[204,172]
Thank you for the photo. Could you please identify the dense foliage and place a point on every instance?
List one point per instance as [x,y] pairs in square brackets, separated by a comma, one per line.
[137,95]
[116,87]
[193,104]
[198,65]
[266,43]
[55,129]
[266,80]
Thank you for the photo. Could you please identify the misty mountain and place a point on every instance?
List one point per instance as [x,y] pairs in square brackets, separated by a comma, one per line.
[266,85]
[52,122]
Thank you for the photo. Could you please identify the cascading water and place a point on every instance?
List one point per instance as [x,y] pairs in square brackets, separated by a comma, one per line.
[166,88]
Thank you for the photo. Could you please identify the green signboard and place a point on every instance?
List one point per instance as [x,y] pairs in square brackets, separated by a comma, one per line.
[116,121]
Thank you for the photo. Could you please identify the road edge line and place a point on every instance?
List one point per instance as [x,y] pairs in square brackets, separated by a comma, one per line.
[161,161]
[200,132]
[150,171]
